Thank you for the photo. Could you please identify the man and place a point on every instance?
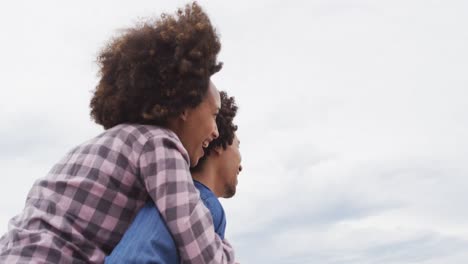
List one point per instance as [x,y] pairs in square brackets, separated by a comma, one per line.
[158,106]
[148,239]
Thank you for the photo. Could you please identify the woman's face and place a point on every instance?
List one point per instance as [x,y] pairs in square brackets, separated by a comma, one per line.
[199,128]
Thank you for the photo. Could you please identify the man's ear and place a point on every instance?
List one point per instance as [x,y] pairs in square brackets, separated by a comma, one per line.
[184,114]
[218,150]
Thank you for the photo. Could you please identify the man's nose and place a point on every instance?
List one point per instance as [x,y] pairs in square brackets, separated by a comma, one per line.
[215,132]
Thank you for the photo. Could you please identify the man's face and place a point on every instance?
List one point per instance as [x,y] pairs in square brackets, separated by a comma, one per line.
[199,127]
[230,167]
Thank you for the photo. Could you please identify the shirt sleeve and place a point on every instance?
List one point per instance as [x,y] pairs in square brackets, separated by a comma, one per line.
[164,168]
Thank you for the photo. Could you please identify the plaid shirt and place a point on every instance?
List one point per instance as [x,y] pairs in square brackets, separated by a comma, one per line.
[82,208]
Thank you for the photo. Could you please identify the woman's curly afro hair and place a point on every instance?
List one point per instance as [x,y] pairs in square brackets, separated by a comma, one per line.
[226,127]
[156,70]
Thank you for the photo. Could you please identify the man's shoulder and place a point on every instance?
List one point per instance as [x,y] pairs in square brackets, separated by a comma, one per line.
[211,201]
[205,192]
[214,205]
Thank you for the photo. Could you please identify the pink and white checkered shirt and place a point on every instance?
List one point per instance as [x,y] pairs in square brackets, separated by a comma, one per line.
[81,209]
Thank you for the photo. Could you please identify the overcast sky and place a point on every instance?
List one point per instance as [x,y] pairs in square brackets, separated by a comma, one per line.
[353,118]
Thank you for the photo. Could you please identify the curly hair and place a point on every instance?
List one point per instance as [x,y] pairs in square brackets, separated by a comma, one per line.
[226,127]
[154,71]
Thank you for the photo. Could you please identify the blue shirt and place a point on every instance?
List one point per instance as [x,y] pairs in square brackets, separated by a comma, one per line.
[148,240]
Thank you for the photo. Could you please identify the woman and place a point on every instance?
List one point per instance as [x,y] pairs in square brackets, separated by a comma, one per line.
[158,107]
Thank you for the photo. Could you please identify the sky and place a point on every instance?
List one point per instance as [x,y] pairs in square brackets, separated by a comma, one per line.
[353,118]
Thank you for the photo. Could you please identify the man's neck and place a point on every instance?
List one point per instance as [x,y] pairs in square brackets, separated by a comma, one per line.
[207,175]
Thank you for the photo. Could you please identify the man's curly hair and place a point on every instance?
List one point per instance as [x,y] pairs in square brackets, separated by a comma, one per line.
[156,70]
[226,127]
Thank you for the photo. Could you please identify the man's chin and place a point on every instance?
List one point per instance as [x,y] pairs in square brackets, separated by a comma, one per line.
[230,192]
